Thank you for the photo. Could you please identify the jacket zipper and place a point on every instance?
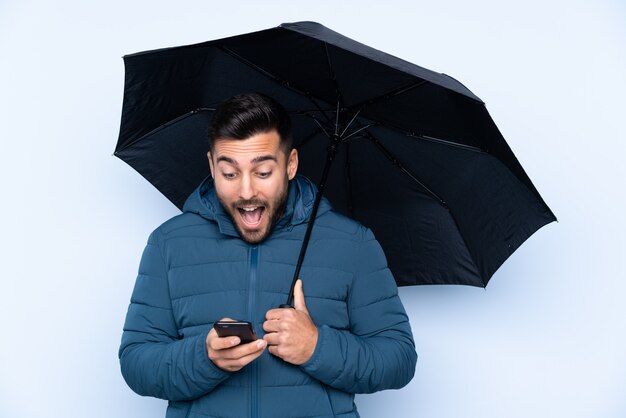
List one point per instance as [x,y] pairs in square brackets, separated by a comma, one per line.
[254,383]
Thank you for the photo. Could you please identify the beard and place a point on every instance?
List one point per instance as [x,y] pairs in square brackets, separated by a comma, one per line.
[274,211]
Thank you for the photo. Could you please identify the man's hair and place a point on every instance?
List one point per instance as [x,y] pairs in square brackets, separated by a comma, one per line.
[249,114]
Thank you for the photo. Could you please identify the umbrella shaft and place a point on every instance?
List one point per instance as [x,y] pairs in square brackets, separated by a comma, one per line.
[330,156]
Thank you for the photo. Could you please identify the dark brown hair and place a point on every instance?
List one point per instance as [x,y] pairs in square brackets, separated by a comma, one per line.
[249,114]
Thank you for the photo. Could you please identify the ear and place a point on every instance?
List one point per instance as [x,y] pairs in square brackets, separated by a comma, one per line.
[292,164]
[208,154]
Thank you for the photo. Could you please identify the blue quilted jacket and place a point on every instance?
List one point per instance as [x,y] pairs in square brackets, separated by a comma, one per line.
[195,270]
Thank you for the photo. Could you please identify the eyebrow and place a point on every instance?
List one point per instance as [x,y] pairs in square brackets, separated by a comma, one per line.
[255,160]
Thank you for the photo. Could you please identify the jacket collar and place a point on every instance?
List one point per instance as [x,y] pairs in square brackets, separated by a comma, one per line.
[301,196]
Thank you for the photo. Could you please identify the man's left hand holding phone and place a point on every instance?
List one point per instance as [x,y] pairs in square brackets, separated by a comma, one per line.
[228,351]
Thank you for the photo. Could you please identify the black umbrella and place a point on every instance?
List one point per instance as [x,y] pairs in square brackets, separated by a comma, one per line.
[418,158]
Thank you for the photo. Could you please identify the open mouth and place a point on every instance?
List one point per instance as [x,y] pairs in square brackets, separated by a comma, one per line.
[251,215]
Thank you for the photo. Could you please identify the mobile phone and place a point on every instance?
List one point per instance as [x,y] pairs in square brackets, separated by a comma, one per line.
[241,329]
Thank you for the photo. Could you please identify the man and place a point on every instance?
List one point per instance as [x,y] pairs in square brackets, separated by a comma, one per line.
[231,254]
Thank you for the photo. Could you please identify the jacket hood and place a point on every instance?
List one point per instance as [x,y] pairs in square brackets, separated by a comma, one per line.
[301,196]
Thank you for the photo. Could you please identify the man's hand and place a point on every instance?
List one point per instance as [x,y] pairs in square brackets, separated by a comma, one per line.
[291,334]
[228,355]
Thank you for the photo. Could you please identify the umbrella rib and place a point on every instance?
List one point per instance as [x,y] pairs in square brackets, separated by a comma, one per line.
[333,77]
[348,176]
[432,138]
[446,142]
[256,67]
[273,77]
[412,135]
[357,131]
[391,157]
[160,127]
[391,94]
[336,134]
[350,123]
[320,125]
[395,161]
[322,111]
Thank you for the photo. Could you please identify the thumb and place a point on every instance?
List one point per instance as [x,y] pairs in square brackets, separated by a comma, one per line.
[298,297]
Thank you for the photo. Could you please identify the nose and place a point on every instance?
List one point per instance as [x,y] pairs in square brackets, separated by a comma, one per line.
[246,188]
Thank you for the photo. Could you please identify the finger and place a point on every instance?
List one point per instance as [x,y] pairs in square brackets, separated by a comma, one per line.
[219,343]
[223,343]
[298,297]
[250,357]
[272,338]
[271,326]
[245,350]
[215,342]
[251,347]
[272,349]
[242,350]
[238,363]
[274,314]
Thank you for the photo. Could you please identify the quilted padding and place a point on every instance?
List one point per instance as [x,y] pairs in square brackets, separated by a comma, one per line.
[196,270]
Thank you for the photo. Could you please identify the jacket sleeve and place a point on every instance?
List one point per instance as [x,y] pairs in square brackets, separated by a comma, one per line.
[154,359]
[378,351]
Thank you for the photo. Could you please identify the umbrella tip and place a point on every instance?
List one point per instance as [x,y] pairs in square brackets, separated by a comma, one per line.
[302,23]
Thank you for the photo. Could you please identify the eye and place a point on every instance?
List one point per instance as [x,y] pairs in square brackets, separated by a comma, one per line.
[264,174]
[229,176]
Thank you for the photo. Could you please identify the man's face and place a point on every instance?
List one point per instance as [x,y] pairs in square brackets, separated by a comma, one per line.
[251,178]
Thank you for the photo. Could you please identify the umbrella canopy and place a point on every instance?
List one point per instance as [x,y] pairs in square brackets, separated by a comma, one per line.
[417,157]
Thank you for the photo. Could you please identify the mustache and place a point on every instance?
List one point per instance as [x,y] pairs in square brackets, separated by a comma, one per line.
[250,202]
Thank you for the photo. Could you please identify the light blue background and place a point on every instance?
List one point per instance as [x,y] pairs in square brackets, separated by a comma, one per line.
[546,339]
